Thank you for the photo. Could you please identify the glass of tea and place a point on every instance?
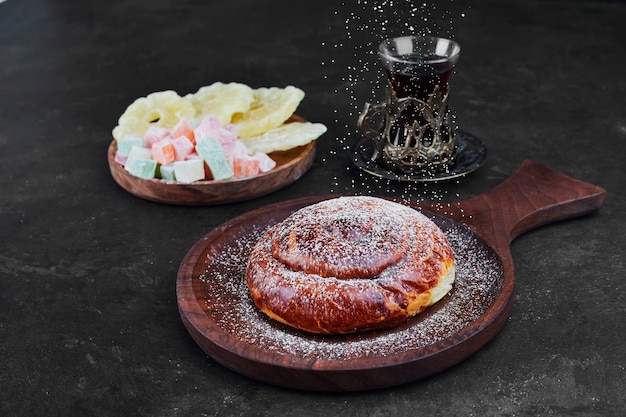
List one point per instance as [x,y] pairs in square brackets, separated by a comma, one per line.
[417,132]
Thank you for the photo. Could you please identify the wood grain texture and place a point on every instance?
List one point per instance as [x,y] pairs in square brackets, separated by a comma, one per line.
[534,195]
[290,165]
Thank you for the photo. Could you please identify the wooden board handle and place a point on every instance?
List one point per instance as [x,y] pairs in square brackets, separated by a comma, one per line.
[533,196]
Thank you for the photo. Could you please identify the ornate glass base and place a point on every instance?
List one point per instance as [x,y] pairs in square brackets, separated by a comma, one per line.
[415,135]
[471,154]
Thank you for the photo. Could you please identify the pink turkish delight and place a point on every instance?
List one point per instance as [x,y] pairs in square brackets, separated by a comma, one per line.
[210,127]
[183,128]
[183,147]
[265,162]
[155,134]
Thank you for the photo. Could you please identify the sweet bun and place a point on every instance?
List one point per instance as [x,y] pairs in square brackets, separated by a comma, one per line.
[350,264]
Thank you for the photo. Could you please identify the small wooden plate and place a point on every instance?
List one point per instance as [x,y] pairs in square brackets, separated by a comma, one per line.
[290,165]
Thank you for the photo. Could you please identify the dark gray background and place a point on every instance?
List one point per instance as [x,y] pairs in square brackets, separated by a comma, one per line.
[88,316]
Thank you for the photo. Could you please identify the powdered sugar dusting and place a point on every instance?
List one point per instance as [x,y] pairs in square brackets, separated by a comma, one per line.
[346,237]
[228,304]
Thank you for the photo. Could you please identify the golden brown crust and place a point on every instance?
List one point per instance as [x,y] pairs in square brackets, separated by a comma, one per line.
[350,264]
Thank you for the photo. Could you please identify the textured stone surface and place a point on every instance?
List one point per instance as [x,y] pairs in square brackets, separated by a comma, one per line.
[88,316]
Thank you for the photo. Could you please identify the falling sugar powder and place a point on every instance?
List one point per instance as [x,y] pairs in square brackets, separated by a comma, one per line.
[368,23]
[353,62]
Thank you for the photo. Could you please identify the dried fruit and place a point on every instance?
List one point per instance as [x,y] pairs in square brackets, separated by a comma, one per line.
[271,108]
[162,109]
[287,136]
[222,100]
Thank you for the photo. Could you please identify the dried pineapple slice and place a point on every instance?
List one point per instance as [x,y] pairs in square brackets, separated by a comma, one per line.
[222,100]
[163,109]
[270,108]
[287,136]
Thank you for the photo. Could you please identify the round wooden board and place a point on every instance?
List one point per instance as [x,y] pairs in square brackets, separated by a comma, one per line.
[218,313]
[216,309]
[290,165]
